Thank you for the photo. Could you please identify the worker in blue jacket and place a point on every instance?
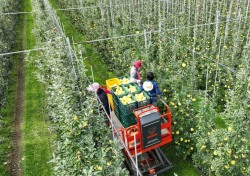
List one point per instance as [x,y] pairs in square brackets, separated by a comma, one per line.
[151,87]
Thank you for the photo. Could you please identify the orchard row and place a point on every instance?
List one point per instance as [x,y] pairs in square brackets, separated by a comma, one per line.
[199,52]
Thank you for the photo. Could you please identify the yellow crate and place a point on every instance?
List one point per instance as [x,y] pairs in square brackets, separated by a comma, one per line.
[111,102]
[112,82]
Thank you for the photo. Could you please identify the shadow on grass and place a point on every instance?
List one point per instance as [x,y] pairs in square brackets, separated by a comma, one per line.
[181,167]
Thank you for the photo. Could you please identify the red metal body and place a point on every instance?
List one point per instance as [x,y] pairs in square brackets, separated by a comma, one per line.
[128,133]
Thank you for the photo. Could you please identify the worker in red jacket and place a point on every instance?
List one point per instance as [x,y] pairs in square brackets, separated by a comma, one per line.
[135,75]
[102,94]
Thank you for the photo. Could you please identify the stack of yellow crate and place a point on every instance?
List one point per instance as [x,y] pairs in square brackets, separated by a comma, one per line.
[111,83]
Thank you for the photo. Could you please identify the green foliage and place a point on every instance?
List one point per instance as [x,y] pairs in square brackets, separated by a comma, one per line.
[81,148]
[219,122]
[37,138]
[202,69]
[225,150]
[8,42]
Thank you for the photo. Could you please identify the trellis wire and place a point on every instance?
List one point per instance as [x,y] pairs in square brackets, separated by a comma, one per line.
[228,68]
[129,35]
[122,5]
[193,51]
[208,24]
[58,26]
[172,29]
[23,51]
[195,26]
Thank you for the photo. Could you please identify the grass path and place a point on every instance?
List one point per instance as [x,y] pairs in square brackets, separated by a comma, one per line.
[30,146]
[11,131]
[36,141]
[181,167]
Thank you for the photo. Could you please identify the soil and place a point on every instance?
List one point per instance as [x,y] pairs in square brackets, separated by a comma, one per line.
[15,168]
[15,157]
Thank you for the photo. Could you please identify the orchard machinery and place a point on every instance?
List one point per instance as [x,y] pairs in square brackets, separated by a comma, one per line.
[141,127]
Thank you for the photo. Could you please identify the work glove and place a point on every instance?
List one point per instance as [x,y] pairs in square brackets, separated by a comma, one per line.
[138,82]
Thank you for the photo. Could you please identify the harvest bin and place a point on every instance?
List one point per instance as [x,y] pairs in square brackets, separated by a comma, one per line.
[144,102]
[126,76]
[126,86]
[113,90]
[128,108]
[127,119]
[110,83]
[116,109]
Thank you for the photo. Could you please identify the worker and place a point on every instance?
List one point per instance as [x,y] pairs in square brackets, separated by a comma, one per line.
[151,87]
[135,75]
[102,94]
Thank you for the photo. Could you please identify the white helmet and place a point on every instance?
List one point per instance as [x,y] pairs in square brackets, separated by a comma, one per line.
[147,86]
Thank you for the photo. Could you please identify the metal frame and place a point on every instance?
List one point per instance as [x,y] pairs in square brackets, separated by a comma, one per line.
[160,163]
[153,158]
[129,139]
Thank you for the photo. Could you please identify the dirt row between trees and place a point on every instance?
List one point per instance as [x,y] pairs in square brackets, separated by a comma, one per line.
[15,168]
[15,157]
